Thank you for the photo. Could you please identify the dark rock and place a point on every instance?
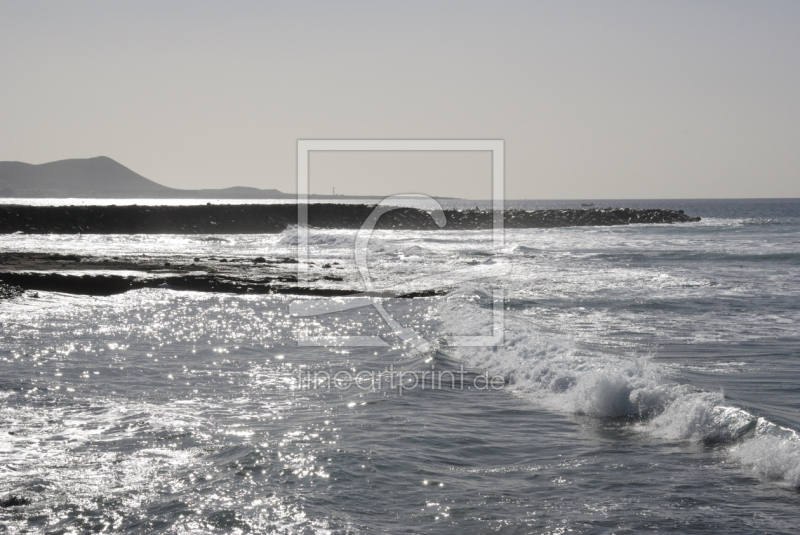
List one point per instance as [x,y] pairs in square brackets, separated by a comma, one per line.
[259,260]
[13,501]
[74,284]
[103,285]
[9,291]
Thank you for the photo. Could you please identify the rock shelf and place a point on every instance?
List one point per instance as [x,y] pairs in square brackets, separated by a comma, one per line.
[86,275]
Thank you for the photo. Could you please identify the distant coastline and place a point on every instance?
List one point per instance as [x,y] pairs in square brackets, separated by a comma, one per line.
[104,178]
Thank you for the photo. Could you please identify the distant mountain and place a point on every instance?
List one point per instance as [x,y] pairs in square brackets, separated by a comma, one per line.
[104,178]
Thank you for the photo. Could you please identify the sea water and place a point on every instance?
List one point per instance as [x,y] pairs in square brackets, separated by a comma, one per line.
[647,380]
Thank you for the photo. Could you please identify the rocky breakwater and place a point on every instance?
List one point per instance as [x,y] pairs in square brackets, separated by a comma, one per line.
[274,218]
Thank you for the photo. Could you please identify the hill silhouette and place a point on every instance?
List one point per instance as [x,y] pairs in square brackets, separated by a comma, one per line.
[102,177]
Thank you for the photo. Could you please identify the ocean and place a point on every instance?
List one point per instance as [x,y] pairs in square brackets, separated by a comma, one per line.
[647,380]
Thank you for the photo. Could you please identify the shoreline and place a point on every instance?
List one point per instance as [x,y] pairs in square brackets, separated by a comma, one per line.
[275,218]
[99,276]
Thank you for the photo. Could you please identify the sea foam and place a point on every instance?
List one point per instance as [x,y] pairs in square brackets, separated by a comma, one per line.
[330,238]
[550,370]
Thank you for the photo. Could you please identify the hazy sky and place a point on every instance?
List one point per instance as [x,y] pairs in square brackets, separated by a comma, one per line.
[593,99]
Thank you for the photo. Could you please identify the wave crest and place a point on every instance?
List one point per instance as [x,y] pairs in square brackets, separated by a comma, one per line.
[550,370]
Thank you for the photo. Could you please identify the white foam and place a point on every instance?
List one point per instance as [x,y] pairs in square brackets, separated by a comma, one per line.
[772,452]
[551,371]
[329,238]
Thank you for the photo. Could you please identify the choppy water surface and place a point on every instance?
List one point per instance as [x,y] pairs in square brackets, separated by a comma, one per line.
[650,380]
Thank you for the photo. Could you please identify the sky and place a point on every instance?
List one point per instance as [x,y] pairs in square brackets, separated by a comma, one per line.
[594,100]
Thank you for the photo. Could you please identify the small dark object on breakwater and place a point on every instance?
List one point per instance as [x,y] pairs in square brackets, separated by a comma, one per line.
[13,501]
[275,218]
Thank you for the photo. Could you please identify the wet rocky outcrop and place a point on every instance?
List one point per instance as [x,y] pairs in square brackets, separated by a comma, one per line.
[10,291]
[30,272]
[105,284]
[14,501]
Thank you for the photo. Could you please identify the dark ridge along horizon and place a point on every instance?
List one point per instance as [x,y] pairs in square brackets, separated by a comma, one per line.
[275,218]
[104,178]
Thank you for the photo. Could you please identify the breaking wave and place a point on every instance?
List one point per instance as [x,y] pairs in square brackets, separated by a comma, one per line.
[330,238]
[552,371]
